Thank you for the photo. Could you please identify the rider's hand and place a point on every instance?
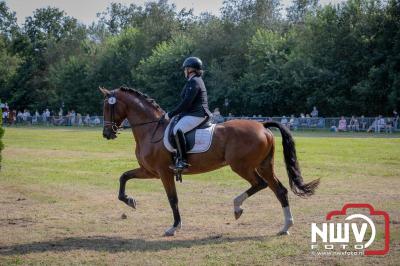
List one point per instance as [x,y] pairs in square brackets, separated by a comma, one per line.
[166,116]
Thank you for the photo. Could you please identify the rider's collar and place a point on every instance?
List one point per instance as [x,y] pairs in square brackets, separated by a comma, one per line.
[191,76]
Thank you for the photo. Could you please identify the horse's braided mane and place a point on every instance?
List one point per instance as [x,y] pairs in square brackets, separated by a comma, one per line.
[142,95]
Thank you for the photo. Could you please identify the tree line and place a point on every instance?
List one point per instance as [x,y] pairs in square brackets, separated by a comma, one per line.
[260,59]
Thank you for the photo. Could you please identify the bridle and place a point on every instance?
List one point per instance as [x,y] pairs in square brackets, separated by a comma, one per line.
[112,101]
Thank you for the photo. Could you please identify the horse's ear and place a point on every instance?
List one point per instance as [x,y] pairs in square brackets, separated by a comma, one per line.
[104,91]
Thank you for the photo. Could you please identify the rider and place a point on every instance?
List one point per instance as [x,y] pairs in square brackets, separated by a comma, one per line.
[193,109]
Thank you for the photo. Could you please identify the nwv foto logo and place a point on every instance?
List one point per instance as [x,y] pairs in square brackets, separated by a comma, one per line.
[337,235]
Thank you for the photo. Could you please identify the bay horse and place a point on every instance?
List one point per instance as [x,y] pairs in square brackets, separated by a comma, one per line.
[246,146]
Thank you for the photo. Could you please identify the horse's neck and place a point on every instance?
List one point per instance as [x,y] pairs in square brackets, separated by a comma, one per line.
[143,133]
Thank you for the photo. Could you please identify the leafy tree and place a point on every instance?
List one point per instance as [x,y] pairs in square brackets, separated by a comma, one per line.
[1,135]
[161,74]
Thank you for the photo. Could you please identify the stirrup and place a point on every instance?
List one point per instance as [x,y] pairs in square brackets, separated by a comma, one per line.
[179,166]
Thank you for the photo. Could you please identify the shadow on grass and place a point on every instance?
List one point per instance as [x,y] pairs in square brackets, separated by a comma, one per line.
[118,244]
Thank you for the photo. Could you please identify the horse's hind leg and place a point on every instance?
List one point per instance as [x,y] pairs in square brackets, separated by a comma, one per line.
[266,170]
[257,184]
[135,173]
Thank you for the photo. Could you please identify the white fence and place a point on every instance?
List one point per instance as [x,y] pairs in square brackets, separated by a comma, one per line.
[376,124]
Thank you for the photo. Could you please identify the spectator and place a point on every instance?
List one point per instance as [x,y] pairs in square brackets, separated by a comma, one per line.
[217,117]
[308,120]
[342,124]
[96,121]
[381,124]
[395,120]
[363,123]
[5,117]
[35,117]
[230,117]
[47,115]
[389,126]
[284,121]
[44,119]
[87,120]
[314,112]
[26,116]
[12,117]
[374,125]
[354,125]
[293,123]
[20,117]
[79,119]
[73,117]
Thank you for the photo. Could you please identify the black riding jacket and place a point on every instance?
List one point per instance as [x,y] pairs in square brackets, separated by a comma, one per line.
[194,99]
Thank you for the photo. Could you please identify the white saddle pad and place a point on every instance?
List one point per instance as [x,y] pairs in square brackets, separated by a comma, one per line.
[203,139]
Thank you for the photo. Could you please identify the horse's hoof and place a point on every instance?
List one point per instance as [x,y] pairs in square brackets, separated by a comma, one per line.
[131,202]
[283,233]
[238,214]
[171,231]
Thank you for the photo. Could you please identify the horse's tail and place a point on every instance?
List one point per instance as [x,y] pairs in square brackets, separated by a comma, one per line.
[292,166]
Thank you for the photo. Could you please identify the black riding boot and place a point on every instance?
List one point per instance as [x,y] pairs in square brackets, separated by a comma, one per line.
[181,162]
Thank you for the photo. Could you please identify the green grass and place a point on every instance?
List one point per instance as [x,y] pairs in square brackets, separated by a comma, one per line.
[68,181]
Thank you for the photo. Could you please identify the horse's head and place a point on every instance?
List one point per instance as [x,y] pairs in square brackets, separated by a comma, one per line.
[114,112]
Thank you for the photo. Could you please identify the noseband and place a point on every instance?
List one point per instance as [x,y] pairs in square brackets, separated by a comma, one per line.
[112,101]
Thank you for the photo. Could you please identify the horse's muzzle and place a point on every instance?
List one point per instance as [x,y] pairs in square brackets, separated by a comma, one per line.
[108,133]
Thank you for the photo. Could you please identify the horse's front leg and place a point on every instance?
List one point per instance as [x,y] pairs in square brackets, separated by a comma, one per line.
[169,185]
[135,173]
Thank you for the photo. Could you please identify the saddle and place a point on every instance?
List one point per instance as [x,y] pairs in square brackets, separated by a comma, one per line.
[197,140]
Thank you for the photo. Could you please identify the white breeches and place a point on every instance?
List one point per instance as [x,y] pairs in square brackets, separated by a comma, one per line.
[187,123]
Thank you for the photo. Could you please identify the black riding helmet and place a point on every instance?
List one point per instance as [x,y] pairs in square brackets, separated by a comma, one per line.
[193,62]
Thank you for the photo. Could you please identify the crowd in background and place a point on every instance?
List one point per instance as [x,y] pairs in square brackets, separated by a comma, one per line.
[313,120]
[47,117]
[303,121]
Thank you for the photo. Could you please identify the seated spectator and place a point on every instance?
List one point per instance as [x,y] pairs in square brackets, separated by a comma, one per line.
[381,123]
[373,126]
[363,123]
[321,122]
[342,124]
[389,126]
[308,120]
[353,124]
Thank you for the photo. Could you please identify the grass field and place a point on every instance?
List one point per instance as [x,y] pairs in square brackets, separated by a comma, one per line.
[58,203]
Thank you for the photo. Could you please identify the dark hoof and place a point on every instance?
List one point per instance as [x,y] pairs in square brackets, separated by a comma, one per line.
[238,214]
[283,233]
[131,202]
